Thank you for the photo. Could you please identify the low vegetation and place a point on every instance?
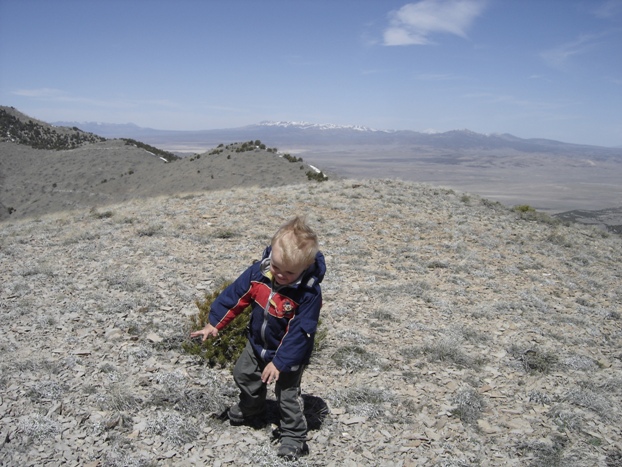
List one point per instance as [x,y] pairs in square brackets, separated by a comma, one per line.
[223,350]
[169,156]
[291,158]
[316,175]
[39,135]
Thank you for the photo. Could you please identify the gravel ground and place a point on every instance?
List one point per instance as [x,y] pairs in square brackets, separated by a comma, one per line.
[455,331]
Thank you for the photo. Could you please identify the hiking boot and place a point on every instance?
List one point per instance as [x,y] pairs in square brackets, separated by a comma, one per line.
[292,452]
[236,417]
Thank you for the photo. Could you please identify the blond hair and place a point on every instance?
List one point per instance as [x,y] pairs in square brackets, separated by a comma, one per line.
[297,242]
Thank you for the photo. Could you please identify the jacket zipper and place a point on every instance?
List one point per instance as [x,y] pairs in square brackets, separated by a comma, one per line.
[264,325]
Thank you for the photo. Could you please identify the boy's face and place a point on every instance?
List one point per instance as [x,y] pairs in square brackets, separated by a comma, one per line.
[283,274]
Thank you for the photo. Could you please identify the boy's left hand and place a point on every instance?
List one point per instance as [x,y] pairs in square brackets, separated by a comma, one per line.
[270,373]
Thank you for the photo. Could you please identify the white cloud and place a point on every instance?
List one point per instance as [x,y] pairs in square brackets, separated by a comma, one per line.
[415,22]
[608,9]
[558,56]
[41,93]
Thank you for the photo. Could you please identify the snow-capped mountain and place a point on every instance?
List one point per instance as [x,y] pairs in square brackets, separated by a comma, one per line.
[319,126]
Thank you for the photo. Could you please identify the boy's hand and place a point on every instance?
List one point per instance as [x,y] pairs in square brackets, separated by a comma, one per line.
[207,331]
[270,373]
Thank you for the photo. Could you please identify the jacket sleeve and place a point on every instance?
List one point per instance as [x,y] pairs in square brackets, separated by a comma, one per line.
[232,301]
[297,344]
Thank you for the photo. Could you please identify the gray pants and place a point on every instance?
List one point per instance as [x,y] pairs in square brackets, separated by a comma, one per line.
[247,375]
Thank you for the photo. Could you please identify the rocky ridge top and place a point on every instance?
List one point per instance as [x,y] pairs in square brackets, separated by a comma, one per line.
[454,332]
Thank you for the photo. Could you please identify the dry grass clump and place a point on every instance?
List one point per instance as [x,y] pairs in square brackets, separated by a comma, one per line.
[174,390]
[117,457]
[469,406]
[265,456]
[50,390]
[566,419]
[614,458]
[363,401]
[591,400]
[173,427]
[352,336]
[547,453]
[354,358]
[118,398]
[172,381]
[36,427]
[125,281]
[611,386]
[580,363]
[444,349]
[533,359]
[539,397]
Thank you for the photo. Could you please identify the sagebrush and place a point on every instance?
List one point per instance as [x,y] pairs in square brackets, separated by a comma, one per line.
[223,350]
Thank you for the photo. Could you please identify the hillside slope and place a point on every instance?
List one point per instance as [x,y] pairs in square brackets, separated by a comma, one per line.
[35,182]
[455,332]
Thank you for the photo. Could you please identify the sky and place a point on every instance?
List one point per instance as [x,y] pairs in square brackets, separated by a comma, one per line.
[532,68]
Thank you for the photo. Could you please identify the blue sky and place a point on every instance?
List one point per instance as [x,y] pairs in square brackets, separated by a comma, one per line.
[532,68]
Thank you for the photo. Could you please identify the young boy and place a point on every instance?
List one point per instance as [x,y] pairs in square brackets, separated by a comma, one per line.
[284,292]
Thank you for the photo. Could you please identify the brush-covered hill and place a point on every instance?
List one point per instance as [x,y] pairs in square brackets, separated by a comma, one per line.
[19,128]
[454,332]
[45,169]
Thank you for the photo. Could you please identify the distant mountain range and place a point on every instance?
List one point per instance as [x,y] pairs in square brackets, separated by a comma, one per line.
[309,134]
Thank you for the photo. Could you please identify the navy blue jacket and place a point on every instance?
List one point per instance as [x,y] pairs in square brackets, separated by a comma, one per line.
[283,319]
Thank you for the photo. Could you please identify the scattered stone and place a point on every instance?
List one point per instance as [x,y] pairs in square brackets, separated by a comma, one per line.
[114,334]
[487,427]
[153,337]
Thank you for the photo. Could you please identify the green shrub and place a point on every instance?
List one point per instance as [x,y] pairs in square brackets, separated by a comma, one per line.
[225,234]
[223,350]
[169,156]
[524,208]
[101,215]
[318,176]
[320,341]
[528,213]
[291,158]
